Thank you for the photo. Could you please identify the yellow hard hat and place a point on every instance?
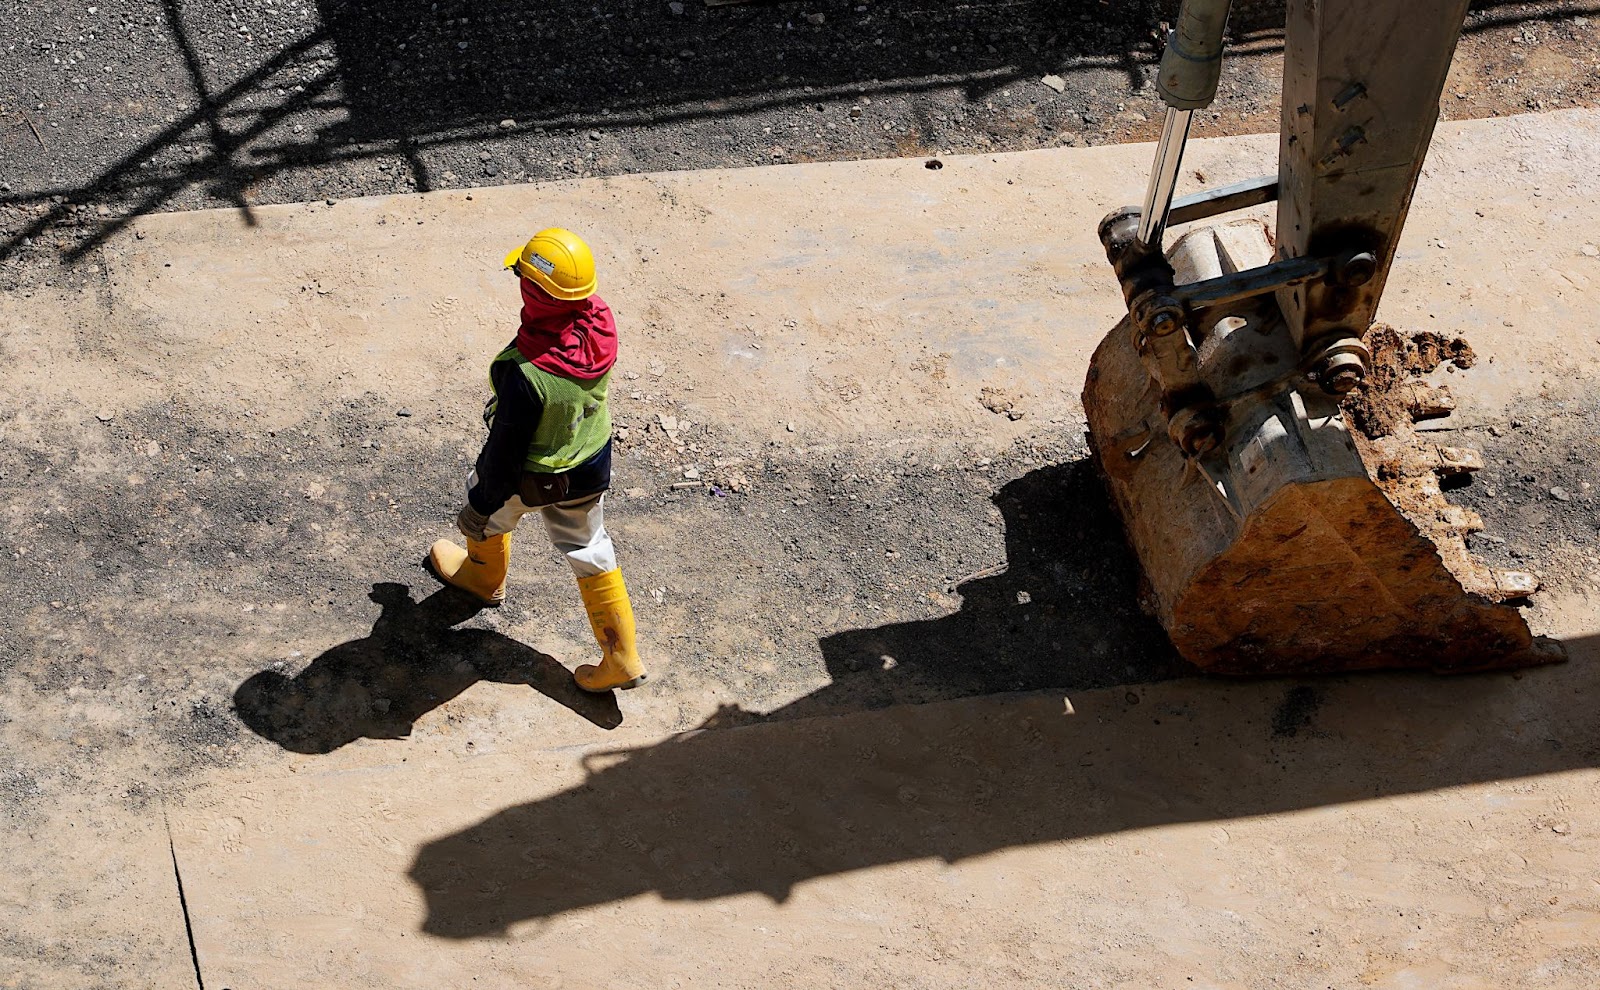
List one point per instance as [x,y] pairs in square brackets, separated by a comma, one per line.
[558,262]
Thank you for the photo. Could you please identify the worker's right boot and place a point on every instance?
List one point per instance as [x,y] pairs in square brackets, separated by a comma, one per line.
[479,570]
[605,598]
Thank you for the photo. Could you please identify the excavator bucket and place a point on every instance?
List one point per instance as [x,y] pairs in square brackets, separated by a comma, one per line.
[1253,424]
[1294,541]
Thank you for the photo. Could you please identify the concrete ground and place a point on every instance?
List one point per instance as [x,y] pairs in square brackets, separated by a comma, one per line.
[909,727]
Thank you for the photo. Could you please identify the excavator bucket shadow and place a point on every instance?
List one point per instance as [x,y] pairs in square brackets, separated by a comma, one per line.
[1300,544]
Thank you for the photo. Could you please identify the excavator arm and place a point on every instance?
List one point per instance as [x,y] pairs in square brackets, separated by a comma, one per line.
[1264,523]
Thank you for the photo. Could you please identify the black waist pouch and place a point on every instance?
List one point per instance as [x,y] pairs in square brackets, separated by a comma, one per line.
[543,489]
[589,478]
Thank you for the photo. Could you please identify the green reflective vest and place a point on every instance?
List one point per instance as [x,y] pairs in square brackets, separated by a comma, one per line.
[576,422]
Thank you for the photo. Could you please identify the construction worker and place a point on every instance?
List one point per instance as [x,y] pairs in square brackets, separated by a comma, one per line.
[549,451]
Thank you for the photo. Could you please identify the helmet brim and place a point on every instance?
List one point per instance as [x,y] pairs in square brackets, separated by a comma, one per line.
[515,263]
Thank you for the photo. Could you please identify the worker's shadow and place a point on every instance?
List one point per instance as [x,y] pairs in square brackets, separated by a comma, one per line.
[413,661]
[853,777]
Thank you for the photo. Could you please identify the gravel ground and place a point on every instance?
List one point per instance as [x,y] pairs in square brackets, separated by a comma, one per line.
[128,107]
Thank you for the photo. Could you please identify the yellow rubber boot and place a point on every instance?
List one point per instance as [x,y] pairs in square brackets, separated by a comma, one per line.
[479,570]
[611,617]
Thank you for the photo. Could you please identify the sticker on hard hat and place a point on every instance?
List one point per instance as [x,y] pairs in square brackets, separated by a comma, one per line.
[540,262]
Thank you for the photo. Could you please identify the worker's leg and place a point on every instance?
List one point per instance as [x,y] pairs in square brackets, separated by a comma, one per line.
[578,530]
[480,568]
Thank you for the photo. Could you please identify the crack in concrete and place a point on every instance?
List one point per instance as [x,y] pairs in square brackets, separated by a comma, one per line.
[183,902]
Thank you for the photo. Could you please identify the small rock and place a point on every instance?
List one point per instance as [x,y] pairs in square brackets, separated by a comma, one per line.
[1590,251]
[594,135]
[152,449]
[1561,828]
[789,427]
[676,8]
[507,124]
[692,474]
[1560,494]
[1442,244]
[1055,82]
[103,211]
[105,415]
[1024,598]
[331,202]
[402,412]
[484,156]
[816,18]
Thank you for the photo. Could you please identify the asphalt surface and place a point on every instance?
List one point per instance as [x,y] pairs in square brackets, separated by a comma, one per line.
[120,107]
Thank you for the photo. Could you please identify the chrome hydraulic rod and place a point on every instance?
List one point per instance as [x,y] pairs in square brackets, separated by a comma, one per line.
[1164,175]
[1187,81]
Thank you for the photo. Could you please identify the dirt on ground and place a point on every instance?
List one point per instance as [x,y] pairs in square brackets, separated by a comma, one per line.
[1388,397]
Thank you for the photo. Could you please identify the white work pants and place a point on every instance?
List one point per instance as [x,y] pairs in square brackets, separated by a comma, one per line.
[577,528]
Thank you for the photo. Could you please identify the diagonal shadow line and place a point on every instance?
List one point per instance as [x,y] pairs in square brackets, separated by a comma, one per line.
[194,174]
[155,145]
[223,144]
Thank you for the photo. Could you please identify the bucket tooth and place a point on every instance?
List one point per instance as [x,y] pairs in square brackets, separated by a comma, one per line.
[1425,401]
[1514,584]
[1457,460]
[1460,519]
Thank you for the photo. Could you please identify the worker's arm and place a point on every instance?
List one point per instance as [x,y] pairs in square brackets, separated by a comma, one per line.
[500,463]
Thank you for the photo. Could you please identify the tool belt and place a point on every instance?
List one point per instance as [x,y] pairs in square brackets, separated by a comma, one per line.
[538,489]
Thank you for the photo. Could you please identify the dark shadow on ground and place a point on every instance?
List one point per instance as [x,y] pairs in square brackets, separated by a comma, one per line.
[391,80]
[774,800]
[1062,614]
[413,661]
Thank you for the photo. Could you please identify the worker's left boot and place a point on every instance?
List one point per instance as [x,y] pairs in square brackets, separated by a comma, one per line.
[479,570]
[605,598]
